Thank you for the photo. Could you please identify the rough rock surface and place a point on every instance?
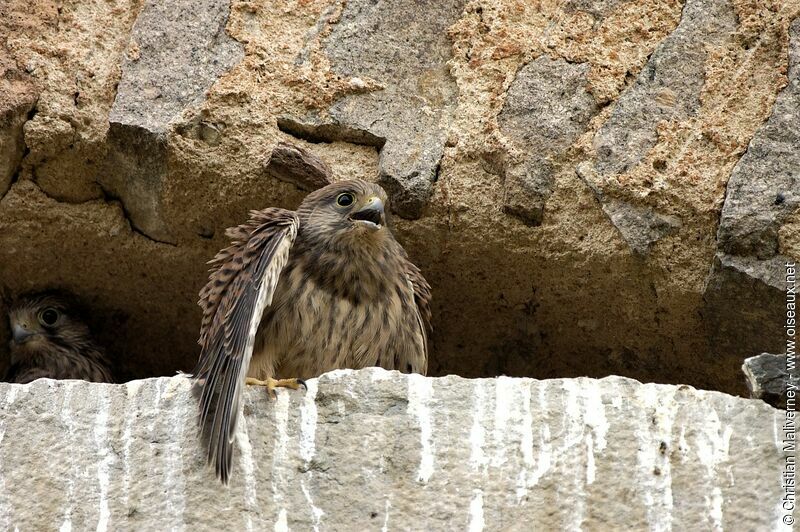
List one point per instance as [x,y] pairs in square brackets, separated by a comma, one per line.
[767,378]
[546,109]
[382,450]
[753,250]
[608,275]
[668,87]
[16,103]
[176,52]
[395,54]
[764,188]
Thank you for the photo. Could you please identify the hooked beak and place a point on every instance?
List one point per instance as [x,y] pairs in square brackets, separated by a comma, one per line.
[370,214]
[20,333]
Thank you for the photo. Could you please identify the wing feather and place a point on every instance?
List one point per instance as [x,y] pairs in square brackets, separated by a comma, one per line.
[422,298]
[240,286]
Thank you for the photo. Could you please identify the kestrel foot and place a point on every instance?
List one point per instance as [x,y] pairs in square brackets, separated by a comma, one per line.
[271,384]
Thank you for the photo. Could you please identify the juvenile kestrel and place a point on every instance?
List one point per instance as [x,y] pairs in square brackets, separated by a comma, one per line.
[301,293]
[49,340]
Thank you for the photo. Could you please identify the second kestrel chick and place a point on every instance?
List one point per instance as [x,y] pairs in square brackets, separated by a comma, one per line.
[50,340]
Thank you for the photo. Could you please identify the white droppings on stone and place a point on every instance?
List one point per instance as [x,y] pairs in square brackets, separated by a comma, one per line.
[174,481]
[574,444]
[131,392]
[503,404]
[683,445]
[655,444]
[544,460]
[69,435]
[316,512]
[280,456]
[525,427]
[378,374]
[573,420]
[714,502]
[616,401]
[160,385]
[574,428]
[5,507]
[477,434]
[281,525]
[712,445]
[590,466]
[385,527]
[420,392]
[248,466]
[595,413]
[9,400]
[105,456]
[545,457]
[308,422]
[476,520]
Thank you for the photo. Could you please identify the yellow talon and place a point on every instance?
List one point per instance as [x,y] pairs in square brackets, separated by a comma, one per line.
[271,384]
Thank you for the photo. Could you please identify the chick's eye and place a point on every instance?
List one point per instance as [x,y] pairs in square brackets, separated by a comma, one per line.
[344,200]
[48,316]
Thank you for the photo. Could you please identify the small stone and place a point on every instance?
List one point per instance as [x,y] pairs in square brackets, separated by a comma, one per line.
[767,378]
[298,166]
[357,83]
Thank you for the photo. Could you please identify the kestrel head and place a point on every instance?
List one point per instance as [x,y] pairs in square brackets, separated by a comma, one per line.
[345,213]
[45,319]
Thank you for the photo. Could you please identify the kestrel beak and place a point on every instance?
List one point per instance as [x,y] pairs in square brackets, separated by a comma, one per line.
[20,333]
[370,214]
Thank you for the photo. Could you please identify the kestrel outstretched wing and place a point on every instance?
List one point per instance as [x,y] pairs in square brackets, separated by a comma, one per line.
[240,286]
[422,298]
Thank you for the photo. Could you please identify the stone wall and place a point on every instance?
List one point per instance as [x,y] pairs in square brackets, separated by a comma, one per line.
[374,450]
[591,186]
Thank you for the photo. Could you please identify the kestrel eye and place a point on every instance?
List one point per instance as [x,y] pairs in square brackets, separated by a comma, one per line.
[344,200]
[48,316]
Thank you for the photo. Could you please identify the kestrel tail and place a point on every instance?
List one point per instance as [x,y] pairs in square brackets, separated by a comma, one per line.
[50,340]
[301,293]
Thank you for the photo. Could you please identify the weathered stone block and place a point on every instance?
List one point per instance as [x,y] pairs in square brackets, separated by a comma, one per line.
[639,226]
[17,99]
[380,450]
[176,53]
[546,109]
[764,188]
[403,46]
[745,294]
[667,88]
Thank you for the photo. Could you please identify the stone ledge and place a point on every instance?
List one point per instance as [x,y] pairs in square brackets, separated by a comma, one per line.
[376,449]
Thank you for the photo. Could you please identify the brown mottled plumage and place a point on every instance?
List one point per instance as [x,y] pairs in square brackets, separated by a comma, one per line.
[49,340]
[303,293]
